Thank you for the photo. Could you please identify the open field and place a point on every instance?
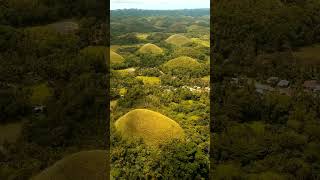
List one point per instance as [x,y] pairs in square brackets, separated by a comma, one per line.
[149,80]
[142,36]
[308,55]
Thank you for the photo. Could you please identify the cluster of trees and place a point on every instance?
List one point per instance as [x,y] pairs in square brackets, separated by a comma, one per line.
[32,53]
[273,133]
[29,12]
[270,135]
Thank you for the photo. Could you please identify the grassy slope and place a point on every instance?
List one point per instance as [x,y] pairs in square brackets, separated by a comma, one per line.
[153,127]
[84,165]
[150,48]
[201,42]
[178,40]
[115,58]
[142,36]
[182,61]
[149,80]
[40,93]
[308,55]
[125,72]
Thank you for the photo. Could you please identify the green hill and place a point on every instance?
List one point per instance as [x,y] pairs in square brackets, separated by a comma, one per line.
[93,51]
[178,40]
[40,93]
[83,165]
[153,127]
[150,48]
[187,51]
[184,62]
[115,58]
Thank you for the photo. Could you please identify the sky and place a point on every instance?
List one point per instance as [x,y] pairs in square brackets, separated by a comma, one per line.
[159,4]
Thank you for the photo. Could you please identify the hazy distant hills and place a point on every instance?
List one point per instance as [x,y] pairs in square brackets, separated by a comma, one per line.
[141,12]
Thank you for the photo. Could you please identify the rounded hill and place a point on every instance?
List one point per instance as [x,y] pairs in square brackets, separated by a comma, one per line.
[187,51]
[150,49]
[178,40]
[94,51]
[182,62]
[153,127]
[115,58]
[81,165]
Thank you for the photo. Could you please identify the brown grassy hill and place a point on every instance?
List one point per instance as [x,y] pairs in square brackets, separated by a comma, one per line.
[178,40]
[115,58]
[182,62]
[150,49]
[153,127]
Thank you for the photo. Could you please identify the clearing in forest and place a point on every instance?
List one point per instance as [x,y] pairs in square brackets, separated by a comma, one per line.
[149,80]
[308,55]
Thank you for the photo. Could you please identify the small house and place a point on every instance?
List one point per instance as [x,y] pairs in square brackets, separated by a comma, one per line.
[273,80]
[39,109]
[261,88]
[283,83]
[312,85]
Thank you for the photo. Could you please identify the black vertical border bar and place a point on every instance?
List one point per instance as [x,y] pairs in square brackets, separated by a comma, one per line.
[107,57]
[213,3]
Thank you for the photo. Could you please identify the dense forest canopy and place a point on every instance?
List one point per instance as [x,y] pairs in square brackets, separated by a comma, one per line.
[52,82]
[265,77]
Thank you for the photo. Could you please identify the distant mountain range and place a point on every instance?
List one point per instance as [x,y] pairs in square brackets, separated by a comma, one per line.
[142,12]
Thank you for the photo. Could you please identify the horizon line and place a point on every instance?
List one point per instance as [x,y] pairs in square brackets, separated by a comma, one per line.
[158,9]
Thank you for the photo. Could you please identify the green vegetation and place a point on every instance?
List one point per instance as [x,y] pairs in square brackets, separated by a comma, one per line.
[142,36]
[265,106]
[182,62]
[126,72]
[160,105]
[115,58]
[201,42]
[10,132]
[52,87]
[149,80]
[309,55]
[40,93]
